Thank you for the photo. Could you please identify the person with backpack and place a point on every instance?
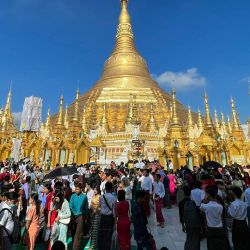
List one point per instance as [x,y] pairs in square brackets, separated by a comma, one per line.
[191,221]
[7,221]
[107,201]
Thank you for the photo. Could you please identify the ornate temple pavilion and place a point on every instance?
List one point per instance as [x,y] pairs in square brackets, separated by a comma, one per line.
[126,115]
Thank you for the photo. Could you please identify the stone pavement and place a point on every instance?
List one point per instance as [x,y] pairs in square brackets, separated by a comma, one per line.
[171,236]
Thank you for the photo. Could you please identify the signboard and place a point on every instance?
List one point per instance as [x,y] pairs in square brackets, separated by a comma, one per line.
[32,114]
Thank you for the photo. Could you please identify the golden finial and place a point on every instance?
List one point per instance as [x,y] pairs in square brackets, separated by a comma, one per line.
[124,36]
[223,123]
[76,114]
[229,126]
[200,121]
[208,121]
[48,123]
[66,117]
[60,113]
[175,119]
[216,120]
[190,119]
[235,121]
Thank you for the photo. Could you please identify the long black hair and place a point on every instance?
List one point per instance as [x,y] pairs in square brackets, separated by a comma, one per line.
[61,199]
[37,202]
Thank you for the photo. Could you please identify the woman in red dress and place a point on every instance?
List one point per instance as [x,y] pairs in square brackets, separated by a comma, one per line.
[49,213]
[123,222]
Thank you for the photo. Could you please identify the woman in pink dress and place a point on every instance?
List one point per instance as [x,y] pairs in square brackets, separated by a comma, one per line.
[172,184]
[32,221]
[123,222]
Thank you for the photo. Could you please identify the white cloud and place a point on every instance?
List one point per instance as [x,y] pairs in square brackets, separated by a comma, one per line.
[181,80]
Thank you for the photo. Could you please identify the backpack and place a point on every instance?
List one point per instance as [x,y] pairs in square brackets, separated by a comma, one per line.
[16,234]
[191,215]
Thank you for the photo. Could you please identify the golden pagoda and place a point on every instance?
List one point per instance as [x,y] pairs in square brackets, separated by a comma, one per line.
[126,115]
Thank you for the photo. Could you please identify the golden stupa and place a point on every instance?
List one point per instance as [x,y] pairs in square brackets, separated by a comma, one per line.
[126,77]
[126,115]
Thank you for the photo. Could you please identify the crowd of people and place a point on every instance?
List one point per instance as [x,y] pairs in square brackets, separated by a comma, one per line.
[105,206]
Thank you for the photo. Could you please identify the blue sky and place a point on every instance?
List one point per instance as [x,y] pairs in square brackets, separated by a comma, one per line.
[46,46]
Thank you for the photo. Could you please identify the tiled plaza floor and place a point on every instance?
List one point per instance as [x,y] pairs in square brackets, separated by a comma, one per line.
[171,236]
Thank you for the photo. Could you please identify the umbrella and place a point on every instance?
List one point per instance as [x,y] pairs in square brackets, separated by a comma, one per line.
[212,165]
[153,166]
[61,171]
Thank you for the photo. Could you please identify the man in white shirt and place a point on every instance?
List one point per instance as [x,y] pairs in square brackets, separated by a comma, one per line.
[146,185]
[238,211]
[159,193]
[216,235]
[107,202]
[6,221]
[197,195]
[247,200]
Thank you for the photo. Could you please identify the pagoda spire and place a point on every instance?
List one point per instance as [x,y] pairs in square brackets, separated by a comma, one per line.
[208,121]
[223,123]
[175,119]
[7,117]
[190,119]
[235,121]
[66,117]
[124,35]
[216,120]
[171,111]
[48,120]
[152,124]
[200,121]
[229,125]
[76,113]
[60,114]
[84,120]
